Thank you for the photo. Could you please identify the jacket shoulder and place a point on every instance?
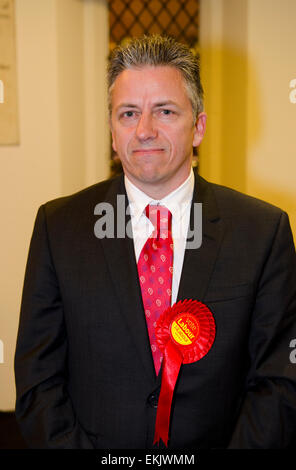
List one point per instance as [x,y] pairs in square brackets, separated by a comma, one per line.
[237,203]
[83,200]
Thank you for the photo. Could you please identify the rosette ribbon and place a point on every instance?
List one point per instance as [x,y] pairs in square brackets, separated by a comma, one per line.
[185,333]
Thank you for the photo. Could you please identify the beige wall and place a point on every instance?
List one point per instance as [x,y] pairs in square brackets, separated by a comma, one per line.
[271,117]
[247,65]
[248,62]
[61,54]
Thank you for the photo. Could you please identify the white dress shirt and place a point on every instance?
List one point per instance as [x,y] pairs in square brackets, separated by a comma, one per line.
[179,203]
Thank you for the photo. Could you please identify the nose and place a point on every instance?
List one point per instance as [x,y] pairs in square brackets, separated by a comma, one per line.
[146,129]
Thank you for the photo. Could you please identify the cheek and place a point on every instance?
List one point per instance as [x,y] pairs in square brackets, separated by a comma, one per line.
[181,139]
[120,141]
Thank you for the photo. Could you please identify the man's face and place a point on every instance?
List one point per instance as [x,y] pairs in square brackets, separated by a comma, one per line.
[152,127]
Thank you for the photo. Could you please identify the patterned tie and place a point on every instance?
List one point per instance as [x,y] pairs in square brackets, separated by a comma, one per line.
[155,268]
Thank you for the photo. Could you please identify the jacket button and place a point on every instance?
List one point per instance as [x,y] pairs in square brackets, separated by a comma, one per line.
[153,400]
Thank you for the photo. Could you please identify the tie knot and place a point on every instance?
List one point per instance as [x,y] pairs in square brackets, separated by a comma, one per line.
[161,218]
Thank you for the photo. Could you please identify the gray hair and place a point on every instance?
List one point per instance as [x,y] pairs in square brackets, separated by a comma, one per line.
[156,50]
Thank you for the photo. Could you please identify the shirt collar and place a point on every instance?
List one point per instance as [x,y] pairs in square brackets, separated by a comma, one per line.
[177,201]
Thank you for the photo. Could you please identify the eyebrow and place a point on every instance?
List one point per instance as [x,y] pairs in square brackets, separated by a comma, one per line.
[156,105]
[127,105]
[166,103]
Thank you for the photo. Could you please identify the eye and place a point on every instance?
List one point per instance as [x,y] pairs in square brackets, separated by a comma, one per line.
[128,114]
[166,113]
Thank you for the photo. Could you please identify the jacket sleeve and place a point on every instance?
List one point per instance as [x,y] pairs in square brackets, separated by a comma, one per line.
[43,407]
[267,417]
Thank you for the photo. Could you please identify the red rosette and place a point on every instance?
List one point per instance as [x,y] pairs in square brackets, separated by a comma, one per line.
[185,333]
[201,343]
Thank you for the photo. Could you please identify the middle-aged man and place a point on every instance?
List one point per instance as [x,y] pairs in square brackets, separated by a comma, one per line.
[88,364]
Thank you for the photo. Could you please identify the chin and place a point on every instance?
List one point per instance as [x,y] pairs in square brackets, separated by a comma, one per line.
[151,177]
[146,174]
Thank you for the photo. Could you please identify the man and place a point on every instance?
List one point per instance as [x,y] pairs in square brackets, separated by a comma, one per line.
[88,367]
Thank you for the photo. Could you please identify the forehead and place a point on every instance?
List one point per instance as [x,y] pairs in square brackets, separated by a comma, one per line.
[149,83]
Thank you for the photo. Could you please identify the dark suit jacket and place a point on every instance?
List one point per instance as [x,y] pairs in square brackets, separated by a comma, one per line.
[83,364]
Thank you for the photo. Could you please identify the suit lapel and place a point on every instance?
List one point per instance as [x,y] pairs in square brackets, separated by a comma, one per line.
[120,257]
[199,263]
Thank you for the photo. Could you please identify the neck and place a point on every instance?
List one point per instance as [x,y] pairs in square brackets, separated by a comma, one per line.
[160,190]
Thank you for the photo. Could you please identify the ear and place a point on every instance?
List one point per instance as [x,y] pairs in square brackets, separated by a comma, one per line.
[112,134]
[113,143]
[199,129]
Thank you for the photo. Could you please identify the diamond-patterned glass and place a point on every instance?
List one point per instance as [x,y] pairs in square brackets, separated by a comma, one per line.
[132,18]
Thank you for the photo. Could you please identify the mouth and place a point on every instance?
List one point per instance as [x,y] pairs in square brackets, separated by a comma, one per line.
[147,151]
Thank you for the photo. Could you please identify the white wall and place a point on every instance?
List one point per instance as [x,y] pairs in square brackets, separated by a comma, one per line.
[61,55]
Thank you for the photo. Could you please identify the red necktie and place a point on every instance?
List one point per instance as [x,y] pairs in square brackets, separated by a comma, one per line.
[155,268]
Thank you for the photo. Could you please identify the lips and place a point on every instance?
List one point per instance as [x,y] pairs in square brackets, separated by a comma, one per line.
[146,151]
